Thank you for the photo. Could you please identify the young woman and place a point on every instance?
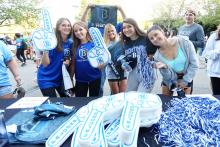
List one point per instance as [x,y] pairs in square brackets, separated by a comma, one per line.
[87,77]
[212,53]
[136,43]
[176,58]
[20,50]
[117,82]
[49,75]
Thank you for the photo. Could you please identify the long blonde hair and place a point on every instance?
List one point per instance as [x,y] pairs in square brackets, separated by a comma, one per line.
[106,38]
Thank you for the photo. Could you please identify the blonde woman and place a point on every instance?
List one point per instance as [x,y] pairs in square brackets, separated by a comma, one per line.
[117,82]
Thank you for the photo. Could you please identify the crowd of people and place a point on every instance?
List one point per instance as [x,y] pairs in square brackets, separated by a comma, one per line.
[143,52]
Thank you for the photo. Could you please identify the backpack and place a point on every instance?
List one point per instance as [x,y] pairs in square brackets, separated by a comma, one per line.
[24,45]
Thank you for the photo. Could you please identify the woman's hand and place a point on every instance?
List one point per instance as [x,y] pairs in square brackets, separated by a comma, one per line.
[182,85]
[101,66]
[159,65]
[66,62]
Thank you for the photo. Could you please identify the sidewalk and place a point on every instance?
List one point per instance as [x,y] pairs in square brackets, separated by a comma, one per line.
[27,72]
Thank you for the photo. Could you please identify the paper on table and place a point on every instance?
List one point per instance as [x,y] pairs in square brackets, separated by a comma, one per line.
[27,102]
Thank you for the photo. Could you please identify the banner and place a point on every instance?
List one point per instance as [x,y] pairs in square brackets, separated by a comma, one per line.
[101,15]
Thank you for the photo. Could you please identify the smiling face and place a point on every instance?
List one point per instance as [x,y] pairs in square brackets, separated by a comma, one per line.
[80,32]
[129,30]
[111,33]
[157,37]
[189,17]
[65,28]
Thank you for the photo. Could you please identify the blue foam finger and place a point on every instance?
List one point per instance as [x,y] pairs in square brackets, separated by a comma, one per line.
[99,55]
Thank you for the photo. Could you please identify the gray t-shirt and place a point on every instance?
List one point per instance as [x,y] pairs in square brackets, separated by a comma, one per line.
[195,33]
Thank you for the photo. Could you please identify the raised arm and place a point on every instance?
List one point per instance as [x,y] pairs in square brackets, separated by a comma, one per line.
[121,11]
[85,13]
[45,60]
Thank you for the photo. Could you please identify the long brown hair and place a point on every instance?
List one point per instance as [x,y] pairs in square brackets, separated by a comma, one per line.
[58,33]
[139,32]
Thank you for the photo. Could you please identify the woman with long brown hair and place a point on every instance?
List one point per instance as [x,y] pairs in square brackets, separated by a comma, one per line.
[139,51]
[49,75]
[176,59]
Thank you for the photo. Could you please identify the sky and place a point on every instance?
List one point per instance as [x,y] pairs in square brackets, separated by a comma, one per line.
[138,9]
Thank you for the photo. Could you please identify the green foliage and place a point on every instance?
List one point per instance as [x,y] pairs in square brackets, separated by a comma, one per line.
[21,12]
[212,18]
[171,12]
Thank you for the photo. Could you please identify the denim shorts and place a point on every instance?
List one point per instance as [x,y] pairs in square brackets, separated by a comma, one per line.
[4,90]
[111,75]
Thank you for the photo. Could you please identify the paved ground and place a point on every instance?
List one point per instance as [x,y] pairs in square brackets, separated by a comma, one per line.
[201,81]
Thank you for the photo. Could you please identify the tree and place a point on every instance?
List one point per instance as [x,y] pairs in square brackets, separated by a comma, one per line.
[19,12]
[212,17]
[170,12]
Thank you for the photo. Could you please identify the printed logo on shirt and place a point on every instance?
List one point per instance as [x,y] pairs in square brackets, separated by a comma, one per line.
[66,52]
[137,49]
[83,53]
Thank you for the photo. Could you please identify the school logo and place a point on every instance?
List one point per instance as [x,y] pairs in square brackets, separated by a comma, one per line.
[101,15]
[83,53]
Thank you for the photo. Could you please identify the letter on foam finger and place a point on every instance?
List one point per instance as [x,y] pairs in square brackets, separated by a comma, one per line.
[98,140]
[138,106]
[91,125]
[98,55]
[102,108]
[111,133]
[133,142]
[44,39]
[59,136]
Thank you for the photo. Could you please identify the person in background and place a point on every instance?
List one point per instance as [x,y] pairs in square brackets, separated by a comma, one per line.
[20,50]
[193,31]
[118,82]
[137,45]
[212,53]
[87,77]
[176,59]
[101,29]
[6,60]
[49,74]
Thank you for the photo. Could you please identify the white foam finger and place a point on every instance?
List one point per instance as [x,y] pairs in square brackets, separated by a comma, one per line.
[47,20]
[59,136]
[98,55]
[97,37]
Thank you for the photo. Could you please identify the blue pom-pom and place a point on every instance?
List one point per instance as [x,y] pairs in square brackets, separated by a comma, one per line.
[191,121]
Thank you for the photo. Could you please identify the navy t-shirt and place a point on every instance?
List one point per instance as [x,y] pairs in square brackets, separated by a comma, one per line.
[84,71]
[51,76]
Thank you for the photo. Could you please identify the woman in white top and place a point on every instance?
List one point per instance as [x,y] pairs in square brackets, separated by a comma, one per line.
[212,53]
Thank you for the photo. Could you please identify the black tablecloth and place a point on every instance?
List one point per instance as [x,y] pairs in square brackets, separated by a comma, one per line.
[145,134]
